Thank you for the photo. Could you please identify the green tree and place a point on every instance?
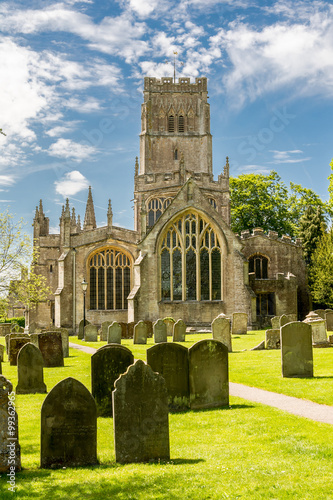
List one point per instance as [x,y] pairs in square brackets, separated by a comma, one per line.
[31,289]
[330,188]
[321,272]
[312,226]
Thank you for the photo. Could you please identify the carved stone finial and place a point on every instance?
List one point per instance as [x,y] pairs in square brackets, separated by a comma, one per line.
[136,165]
[89,218]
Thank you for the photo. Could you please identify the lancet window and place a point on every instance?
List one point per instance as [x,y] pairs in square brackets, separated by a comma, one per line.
[156,206]
[258,264]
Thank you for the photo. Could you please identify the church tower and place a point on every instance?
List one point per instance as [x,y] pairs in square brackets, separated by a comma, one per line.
[175,144]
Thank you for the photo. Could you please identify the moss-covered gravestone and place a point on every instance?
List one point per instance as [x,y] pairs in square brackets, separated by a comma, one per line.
[272,339]
[68,426]
[2,349]
[209,378]
[90,333]
[50,345]
[15,344]
[140,333]
[221,331]
[10,453]
[104,330]
[107,364]
[140,416]
[171,361]
[296,350]
[81,329]
[179,331]
[30,371]
[114,333]
[160,331]
[239,323]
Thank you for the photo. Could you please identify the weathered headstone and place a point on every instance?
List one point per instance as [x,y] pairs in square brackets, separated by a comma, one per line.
[15,345]
[169,324]
[179,331]
[65,342]
[171,361]
[239,323]
[10,453]
[107,364]
[114,333]
[149,325]
[140,416]
[104,330]
[318,325]
[221,331]
[2,350]
[81,329]
[296,350]
[30,371]
[329,320]
[284,320]
[68,426]
[4,329]
[90,333]
[140,333]
[320,312]
[272,339]
[13,336]
[160,332]
[208,374]
[291,317]
[275,321]
[130,330]
[124,330]
[50,345]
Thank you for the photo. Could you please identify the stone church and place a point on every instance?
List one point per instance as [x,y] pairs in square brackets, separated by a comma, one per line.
[182,259]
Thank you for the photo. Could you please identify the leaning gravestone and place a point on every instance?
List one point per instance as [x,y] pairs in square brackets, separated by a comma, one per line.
[160,332]
[107,364]
[284,320]
[90,333]
[104,330]
[50,345]
[208,374]
[140,416]
[30,371]
[329,320]
[81,329]
[68,426]
[239,323]
[275,321]
[15,345]
[14,336]
[179,331]
[114,333]
[171,361]
[296,350]
[272,339]
[140,333]
[10,453]
[221,331]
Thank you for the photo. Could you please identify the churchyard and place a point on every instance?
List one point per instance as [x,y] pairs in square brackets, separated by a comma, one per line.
[246,450]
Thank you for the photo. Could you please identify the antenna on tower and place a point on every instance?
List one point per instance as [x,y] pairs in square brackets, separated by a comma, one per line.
[174,65]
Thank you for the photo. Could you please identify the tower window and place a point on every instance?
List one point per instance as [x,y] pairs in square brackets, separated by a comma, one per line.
[176,154]
[212,202]
[110,279]
[171,123]
[51,268]
[180,123]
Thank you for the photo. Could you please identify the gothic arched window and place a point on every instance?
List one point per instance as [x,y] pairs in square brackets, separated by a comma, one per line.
[191,260]
[180,123]
[110,279]
[171,123]
[258,264]
[156,206]
[212,201]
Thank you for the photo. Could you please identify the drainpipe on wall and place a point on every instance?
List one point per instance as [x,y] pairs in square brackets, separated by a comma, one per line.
[74,290]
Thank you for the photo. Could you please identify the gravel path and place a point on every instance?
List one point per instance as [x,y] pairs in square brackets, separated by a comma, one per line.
[296,406]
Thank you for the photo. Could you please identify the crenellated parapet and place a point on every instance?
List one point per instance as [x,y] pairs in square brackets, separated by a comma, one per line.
[167,84]
[272,235]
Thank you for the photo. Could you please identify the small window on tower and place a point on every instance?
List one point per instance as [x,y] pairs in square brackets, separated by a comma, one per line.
[180,123]
[171,123]
[51,268]
[176,154]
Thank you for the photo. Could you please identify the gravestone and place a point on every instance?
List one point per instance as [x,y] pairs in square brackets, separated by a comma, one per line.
[90,333]
[114,333]
[15,345]
[179,331]
[272,339]
[149,325]
[68,426]
[2,350]
[140,333]
[318,325]
[171,361]
[275,321]
[81,329]
[160,332]
[10,453]
[104,330]
[107,364]
[30,371]
[140,415]
[65,342]
[130,330]
[320,312]
[50,345]
[5,329]
[124,330]
[208,374]
[169,324]
[329,320]
[13,336]
[239,323]
[221,331]
[291,317]
[296,350]
[284,320]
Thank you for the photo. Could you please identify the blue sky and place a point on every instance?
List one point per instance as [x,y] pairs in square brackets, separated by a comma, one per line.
[71,76]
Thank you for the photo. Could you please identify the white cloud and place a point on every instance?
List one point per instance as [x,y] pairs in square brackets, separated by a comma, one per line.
[72,183]
[7,180]
[253,169]
[66,148]
[288,156]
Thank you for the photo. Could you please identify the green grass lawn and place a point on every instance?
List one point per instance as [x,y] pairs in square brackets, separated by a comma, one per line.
[248,451]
